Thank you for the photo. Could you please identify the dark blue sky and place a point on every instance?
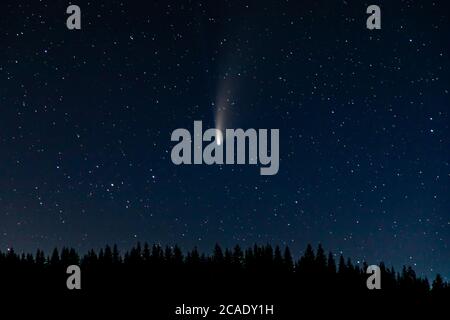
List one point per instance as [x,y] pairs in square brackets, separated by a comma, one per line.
[86,118]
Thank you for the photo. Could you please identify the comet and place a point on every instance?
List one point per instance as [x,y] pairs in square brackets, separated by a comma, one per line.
[224,102]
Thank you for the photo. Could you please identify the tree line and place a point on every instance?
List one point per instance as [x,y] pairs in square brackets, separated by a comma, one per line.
[149,264]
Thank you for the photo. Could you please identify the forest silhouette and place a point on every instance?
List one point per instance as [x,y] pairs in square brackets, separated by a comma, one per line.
[263,274]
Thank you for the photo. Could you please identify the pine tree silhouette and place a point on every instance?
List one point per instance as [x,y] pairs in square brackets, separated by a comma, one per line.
[259,266]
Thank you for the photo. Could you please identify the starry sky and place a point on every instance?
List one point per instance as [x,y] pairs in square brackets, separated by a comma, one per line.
[86,118]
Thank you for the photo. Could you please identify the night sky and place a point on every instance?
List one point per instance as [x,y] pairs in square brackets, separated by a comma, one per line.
[87,115]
